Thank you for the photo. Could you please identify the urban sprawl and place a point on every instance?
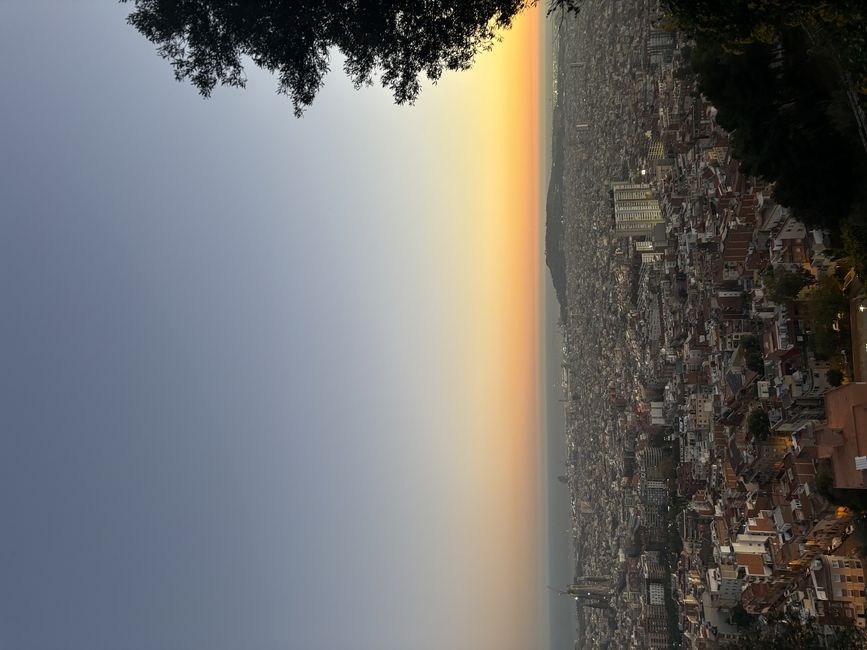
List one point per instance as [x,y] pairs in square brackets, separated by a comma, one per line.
[714,441]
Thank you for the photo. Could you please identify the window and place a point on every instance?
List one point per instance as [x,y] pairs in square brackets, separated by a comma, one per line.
[835,564]
[836,577]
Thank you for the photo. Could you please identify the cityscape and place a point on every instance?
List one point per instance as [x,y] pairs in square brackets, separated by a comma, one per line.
[443,325]
[715,405]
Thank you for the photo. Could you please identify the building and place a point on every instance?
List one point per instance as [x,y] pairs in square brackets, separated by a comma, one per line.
[636,210]
[838,584]
[724,585]
[843,438]
[656,593]
[702,411]
[654,622]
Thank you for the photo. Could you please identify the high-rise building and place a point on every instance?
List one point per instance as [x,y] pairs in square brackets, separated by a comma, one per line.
[636,209]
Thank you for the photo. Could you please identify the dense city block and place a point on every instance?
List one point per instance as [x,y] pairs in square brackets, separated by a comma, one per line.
[714,364]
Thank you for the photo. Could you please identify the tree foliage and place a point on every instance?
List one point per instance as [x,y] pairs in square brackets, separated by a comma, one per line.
[741,617]
[755,359]
[775,100]
[784,285]
[786,631]
[828,314]
[394,41]
[779,74]
[758,424]
[854,238]
[738,23]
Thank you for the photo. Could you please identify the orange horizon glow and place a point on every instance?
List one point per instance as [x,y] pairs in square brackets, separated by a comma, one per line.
[290,368]
[496,131]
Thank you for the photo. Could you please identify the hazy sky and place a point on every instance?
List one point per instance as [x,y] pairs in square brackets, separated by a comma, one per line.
[265,382]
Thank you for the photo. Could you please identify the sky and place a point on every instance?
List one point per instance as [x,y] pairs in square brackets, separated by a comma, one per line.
[267,382]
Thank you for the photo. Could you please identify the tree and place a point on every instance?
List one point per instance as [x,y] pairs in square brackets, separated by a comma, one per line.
[828,312]
[784,285]
[780,75]
[741,617]
[834,377]
[759,425]
[773,99]
[395,40]
[854,239]
[786,631]
[738,23]
[753,354]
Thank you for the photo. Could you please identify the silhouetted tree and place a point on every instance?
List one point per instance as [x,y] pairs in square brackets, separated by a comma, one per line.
[395,40]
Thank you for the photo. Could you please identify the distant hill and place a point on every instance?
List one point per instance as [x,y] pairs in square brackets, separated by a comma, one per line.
[555,256]
[555,228]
